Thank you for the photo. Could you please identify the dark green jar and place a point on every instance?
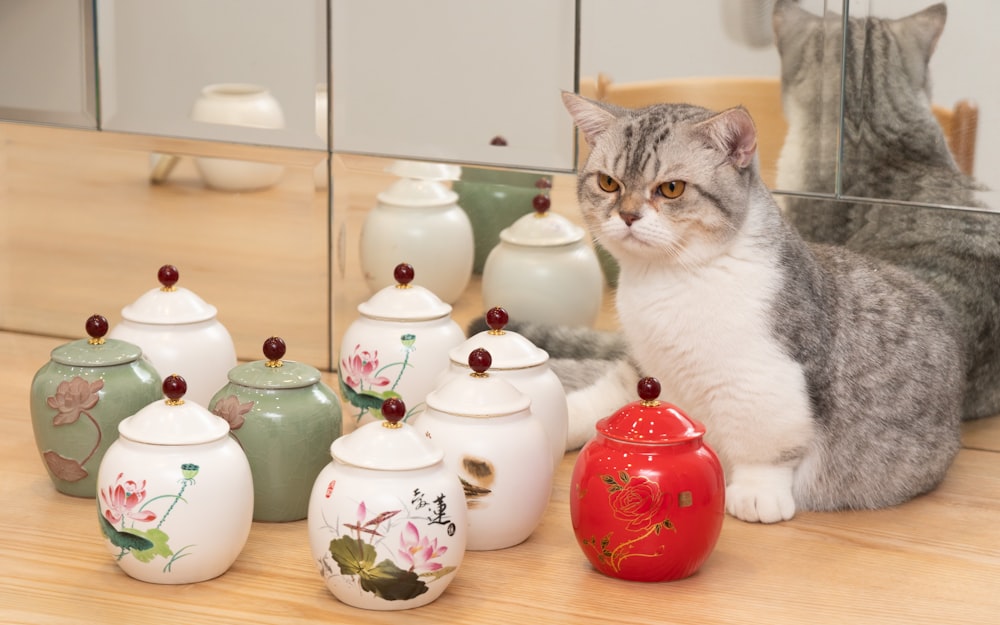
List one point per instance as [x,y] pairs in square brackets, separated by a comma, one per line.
[78,399]
[285,418]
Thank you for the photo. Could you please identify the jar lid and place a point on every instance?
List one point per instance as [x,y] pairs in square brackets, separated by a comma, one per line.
[478,394]
[420,184]
[388,445]
[404,301]
[97,351]
[169,304]
[273,372]
[650,421]
[542,229]
[508,349]
[173,421]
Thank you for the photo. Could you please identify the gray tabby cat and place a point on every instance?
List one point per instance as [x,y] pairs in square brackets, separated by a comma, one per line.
[893,148]
[826,380]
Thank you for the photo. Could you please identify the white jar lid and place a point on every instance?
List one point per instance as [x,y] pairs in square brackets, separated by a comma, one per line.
[383,446]
[542,229]
[173,422]
[404,301]
[169,304]
[479,395]
[420,184]
[508,349]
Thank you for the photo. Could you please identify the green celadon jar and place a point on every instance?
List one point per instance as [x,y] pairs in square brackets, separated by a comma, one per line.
[285,418]
[78,399]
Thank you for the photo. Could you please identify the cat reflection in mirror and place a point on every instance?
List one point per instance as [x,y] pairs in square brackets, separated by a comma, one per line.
[829,376]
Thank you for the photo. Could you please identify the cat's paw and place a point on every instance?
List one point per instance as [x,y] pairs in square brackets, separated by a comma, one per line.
[760,494]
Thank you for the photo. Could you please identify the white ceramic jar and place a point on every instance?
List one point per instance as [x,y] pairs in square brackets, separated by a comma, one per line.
[238,104]
[544,270]
[175,493]
[387,520]
[526,366]
[418,221]
[180,333]
[397,347]
[500,452]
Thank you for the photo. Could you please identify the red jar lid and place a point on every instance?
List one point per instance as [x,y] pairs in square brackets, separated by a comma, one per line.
[650,421]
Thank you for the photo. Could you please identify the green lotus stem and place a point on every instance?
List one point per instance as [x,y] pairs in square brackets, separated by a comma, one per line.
[177,498]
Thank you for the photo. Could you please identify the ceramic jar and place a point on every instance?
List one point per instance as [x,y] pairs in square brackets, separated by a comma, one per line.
[285,418]
[647,494]
[175,500]
[417,221]
[78,399]
[180,333]
[238,104]
[544,270]
[387,520]
[497,448]
[526,366]
[397,347]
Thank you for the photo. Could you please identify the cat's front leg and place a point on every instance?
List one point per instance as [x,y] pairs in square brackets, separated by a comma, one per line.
[760,493]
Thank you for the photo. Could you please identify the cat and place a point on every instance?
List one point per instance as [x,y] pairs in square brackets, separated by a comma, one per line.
[893,148]
[826,380]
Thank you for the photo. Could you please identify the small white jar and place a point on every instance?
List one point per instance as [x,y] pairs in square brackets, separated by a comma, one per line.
[397,347]
[418,221]
[387,501]
[180,333]
[175,493]
[543,270]
[500,452]
[238,104]
[526,366]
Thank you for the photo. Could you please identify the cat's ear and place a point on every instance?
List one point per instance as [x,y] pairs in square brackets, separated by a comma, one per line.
[789,18]
[924,27]
[733,133]
[592,118]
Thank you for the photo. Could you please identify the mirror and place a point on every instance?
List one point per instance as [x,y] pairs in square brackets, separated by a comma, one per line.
[156,58]
[47,64]
[441,79]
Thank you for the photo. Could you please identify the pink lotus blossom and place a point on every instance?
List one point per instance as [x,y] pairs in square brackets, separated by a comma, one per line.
[418,551]
[121,500]
[73,397]
[360,368]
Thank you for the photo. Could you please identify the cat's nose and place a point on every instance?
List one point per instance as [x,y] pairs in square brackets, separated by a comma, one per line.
[629,217]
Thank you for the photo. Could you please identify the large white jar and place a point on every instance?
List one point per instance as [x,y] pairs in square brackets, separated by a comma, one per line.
[526,366]
[238,104]
[175,493]
[387,520]
[180,333]
[397,347]
[418,221]
[500,452]
[543,270]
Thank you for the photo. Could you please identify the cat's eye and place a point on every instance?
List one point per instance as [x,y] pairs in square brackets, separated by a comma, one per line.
[607,183]
[672,189]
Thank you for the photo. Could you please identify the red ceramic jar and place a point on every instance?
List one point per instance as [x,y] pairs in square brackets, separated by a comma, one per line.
[648,495]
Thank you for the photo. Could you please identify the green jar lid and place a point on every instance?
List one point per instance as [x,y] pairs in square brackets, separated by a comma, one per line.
[96,351]
[273,372]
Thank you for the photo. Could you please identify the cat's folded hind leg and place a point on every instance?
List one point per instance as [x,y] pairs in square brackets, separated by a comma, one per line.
[761,493]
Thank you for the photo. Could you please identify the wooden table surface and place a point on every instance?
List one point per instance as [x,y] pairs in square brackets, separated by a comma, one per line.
[933,560]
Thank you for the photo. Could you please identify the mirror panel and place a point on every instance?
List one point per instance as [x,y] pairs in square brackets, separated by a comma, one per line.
[156,58]
[440,79]
[83,229]
[47,65]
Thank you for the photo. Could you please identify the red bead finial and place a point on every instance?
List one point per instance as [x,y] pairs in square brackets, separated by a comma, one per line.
[274,351]
[496,319]
[649,389]
[168,276]
[479,361]
[393,409]
[403,273]
[498,141]
[174,387]
[541,203]
[97,327]
[543,183]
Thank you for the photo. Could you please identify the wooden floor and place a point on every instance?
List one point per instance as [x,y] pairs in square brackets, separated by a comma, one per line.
[934,560]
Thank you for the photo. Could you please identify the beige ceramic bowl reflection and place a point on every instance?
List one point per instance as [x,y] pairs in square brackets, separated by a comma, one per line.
[238,104]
